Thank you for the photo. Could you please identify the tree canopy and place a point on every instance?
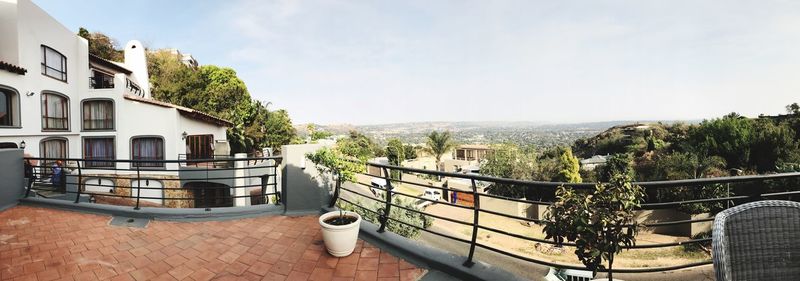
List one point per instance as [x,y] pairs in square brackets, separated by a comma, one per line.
[439,143]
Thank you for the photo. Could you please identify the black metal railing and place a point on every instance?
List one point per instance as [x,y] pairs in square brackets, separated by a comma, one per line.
[217,160]
[125,182]
[736,190]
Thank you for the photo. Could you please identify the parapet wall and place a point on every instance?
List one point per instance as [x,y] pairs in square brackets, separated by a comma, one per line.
[12,179]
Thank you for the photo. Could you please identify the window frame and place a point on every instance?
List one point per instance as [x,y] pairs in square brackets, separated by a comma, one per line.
[113,115]
[63,71]
[160,165]
[43,111]
[112,162]
[46,164]
[92,81]
[13,99]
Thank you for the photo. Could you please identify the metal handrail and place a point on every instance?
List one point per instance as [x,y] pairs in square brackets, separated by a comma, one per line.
[476,225]
[138,173]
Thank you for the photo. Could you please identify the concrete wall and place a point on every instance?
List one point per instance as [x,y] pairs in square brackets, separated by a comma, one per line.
[506,207]
[304,187]
[12,182]
[667,215]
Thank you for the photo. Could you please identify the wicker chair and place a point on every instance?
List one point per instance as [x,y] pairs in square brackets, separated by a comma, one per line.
[758,241]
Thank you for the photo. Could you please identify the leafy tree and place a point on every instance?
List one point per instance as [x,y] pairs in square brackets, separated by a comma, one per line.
[410,151]
[684,165]
[278,129]
[333,161]
[171,81]
[793,109]
[509,161]
[601,223]
[396,154]
[569,170]
[617,164]
[729,137]
[101,45]
[773,144]
[360,146]
[316,134]
[439,143]
[406,214]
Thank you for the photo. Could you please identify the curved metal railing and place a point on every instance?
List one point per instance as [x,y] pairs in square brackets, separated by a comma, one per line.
[751,188]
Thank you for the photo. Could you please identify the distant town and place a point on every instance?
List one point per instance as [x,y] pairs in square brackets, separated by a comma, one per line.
[539,134]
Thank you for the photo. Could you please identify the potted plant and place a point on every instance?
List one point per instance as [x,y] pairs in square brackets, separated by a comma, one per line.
[340,232]
[600,222]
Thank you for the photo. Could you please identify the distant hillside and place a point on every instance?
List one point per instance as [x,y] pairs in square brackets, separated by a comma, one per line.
[537,133]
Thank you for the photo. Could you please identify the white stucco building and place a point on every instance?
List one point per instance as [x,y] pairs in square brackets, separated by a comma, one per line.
[63,102]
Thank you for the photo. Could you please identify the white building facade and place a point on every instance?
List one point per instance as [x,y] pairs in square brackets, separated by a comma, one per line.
[62,102]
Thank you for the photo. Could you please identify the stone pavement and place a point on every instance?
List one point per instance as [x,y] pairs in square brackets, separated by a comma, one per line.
[46,244]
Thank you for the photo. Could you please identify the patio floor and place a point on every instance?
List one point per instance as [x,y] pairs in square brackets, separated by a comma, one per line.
[46,244]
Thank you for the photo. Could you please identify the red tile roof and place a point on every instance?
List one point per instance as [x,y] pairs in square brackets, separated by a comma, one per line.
[12,68]
[185,111]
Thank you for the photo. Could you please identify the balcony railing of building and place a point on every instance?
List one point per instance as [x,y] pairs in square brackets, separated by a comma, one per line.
[215,161]
[133,88]
[747,189]
[237,181]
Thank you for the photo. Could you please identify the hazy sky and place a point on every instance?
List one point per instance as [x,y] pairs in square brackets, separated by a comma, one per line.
[367,62]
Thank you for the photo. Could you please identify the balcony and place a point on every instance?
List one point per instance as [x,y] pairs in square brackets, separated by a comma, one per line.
[475,236]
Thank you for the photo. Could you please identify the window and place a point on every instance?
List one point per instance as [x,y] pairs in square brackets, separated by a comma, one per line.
[54,64]
[95,149]
[55,112]
[52,149]
[101,80]
[200,147]
[98,115]
[147,148]
[6,113]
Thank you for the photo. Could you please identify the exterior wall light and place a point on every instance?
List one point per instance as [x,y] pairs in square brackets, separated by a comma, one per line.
[184,135]
[22,144]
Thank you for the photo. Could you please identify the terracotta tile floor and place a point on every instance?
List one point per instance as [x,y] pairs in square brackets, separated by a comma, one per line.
[45,244]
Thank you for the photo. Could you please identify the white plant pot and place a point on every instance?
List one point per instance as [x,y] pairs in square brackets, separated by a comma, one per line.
[340,240]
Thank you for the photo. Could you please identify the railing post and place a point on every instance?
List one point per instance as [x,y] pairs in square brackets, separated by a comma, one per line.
[205,195]
[336,188]
[384,219]
[80,181]
[138,185]
[264,181]
[30,180]
[476,206]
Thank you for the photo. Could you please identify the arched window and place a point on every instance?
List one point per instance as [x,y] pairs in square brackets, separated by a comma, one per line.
[98,115]
[54,64]
[55,112]
[147,148]
[52,149]
[8,108]
[5,109]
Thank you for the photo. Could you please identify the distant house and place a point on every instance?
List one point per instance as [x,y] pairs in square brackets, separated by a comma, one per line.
[467,156]
[471,152]
[591,163]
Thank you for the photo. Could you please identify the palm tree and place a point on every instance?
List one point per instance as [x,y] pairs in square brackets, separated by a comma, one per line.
[438,144]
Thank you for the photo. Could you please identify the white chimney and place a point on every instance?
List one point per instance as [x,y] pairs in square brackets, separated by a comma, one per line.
[136,61]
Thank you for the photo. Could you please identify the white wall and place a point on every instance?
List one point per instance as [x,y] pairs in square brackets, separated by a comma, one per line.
[30,27]
[34,28]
